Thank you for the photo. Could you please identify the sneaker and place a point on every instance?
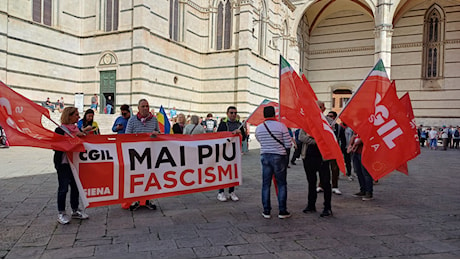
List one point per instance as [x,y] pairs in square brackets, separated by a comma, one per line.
[319,189]
[221,197]
[309,210]
[266,214]
[368,196]
[149,204]
[326,213]
[350,178]
[293,163]
[234,197]
[359,194]
[284,214]
[63,218]
[78,214]
[336,191]
[135,205]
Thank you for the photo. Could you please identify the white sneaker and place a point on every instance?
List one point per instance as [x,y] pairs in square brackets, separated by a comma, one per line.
[221,197]
[78,214]
[234,197]
[319,189]
[63,218]
[336,191]
[350,178]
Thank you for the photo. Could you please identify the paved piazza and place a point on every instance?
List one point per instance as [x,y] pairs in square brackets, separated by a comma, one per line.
[415,216]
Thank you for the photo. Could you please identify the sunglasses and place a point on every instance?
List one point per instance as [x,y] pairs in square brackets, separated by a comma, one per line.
[124,113]
[232,113]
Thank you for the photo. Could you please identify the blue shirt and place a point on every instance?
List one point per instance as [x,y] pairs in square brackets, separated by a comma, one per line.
[120,121]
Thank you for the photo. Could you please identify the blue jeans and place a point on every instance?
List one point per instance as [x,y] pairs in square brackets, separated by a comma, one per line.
[366,183]
[274,164]
[109,109]
[66,179]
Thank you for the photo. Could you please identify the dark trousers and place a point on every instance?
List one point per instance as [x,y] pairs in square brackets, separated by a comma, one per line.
[347,159]
[230,190]
[297,152]
[312,165]
[66,179]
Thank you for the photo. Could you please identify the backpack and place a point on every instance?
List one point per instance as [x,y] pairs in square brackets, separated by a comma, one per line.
[456,133]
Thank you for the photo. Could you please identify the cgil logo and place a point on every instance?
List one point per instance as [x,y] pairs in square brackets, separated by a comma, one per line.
[96,155]
[388,129]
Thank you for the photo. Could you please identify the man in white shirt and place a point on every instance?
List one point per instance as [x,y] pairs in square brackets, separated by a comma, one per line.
[274,139]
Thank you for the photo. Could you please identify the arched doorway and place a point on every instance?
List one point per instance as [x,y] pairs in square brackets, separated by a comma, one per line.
[340,98]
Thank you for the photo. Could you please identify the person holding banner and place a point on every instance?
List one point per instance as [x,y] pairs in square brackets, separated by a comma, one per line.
[69,118]
[274,140]
[143,122]
[231,124]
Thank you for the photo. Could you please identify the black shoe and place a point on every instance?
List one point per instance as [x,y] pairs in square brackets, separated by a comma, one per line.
[293,163]
[150,205]
[359,194]
[284,214]
[326,213]
[134,206]
[309,210]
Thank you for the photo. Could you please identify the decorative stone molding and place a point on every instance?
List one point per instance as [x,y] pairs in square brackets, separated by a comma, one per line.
[108,59]
[388,28]
[196,6]
[341,50]
[290,5]
[407,45]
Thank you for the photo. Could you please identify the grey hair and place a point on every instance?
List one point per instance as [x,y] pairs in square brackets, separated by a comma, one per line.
[195,120]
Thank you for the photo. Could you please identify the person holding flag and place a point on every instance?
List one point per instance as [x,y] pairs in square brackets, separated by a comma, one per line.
[313,162]
[143,122]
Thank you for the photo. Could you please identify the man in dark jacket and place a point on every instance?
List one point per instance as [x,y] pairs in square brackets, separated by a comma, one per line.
[231,124]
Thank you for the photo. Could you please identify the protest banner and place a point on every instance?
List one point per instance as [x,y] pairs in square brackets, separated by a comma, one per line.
[131,167]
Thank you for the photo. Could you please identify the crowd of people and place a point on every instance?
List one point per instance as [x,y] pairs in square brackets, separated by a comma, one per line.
[276,141]
[431,136]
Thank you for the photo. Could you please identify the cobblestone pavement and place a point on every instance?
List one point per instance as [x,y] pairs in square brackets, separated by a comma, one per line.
[415,216]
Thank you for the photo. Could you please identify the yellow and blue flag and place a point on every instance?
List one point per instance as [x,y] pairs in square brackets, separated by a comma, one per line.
[163,121]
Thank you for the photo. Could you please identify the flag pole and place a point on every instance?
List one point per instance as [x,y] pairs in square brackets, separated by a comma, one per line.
[279,90]
[353,95]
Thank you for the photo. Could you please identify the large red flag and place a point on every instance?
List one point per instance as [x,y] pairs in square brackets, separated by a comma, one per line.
[21,119]
[298,105]
[391,142]
[405,100]
[257,116]
[360,106]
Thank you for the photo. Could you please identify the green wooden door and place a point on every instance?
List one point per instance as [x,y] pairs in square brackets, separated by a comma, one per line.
[107,87]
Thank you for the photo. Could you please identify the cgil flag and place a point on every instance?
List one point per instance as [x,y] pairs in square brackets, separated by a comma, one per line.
[163,121]
[298,105]
[21,119]
[378,116]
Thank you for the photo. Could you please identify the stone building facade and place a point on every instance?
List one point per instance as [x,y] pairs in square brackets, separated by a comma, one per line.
[201,56]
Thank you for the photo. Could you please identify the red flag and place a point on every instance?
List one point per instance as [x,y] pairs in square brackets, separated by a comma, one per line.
[257,116]
[391,142]
[298,105]
[308,87]
[405,100]
[21,119]
[360,106]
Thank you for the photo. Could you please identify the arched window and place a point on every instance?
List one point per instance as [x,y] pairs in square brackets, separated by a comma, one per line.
[224,25]
[285,36]
[433,45]
[42,11]
[174,20]
[262,28]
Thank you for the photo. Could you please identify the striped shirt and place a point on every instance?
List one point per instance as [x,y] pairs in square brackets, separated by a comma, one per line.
[267,143]
[135,126]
